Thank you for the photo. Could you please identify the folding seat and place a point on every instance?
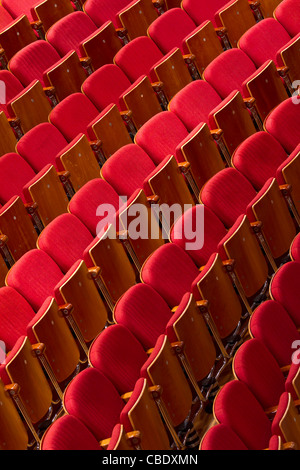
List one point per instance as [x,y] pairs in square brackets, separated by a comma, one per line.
[42,192]
[160,368]
[289,21]
[106,128]
[172,273]
[254,365]
[141,56]
[229,194]
[199,102]
[30,388]
[132,17]
[14,36]
[264,153]
[272,325]
[237,408]
[284,287]
[61,357]
[69,433]
[282,49]
[67,240]
[95,45]
[75,292]
[49,11]
[165,134]
[294,249]
[222,437]
[24,107]
[59,76]
[282,123]
[164,180]
[93,399]
[146,315]
[233,70]
[176,29]
[187,227]
[109,85]
[75,162]
[234,16]
[14,434]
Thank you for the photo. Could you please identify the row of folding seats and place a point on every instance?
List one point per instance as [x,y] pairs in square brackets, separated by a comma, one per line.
[267,365]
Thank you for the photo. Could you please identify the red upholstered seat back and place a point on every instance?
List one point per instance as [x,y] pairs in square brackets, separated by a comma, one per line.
[93,399]
[30,63]
[228,71]
[160,135]
[68,33]
[228,194]
[14,174]
[283,123]
[106,85]
[221,437]
[137,57]
[19,7]
[285,289]
[202,11]
[144,312]
[289,21]
[170,29]
[101,10]
[12,88]
[5,17]
[15,314]
[40,145]
[127,169]
[119,356]
[263,40]
[73,115]
[65,240]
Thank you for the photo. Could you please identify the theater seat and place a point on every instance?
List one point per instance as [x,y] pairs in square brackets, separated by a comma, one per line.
[288,21]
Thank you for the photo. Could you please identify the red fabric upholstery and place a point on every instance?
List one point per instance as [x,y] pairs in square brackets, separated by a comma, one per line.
[12,88]
[258,158]
[65,240]
[118,354]
[69,433]
[279,173]
[214,231]
[32,61]
[14,174]
[138,57]
[285,289]
[257,368]
[15,314]
[295,249]
[144,312]
[263,40]
[272,325]
[106,85]
[127,169]
[160,135]
[227,194]
[228,71]
[73,115]
[293,372]
[34,276]
[170,29]
[170,271]
[93,399]
[288,14]
[85,203]
[236,407]
[194,103]
[5,17]
[19,7]
[101,11]
[281,409]
[202,11]
[70,31]
[40,145]
[221,437]
[283,123]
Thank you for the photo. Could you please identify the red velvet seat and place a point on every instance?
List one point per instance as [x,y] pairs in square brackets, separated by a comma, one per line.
[282,123]
[235,406]
[295,249]
[221,437]
[272,325]
[255,366]
[282,14]
[284,288]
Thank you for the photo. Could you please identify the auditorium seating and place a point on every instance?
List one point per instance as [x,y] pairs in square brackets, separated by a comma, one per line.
[149,225]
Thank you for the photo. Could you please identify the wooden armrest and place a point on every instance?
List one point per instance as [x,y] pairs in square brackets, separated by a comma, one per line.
[249,102]
[156,391]
[189,58]
[63,175]
[126,396]
[283,71]
[203,305]
[3,240]
[229,265]
[122,235]
[38,349]
[12,389]
[157,86]
[65,310]
[178,347]
[31,207]
[256,226]
[216,133]
[94,272]
[153,199]
[285,189]
[184,166]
